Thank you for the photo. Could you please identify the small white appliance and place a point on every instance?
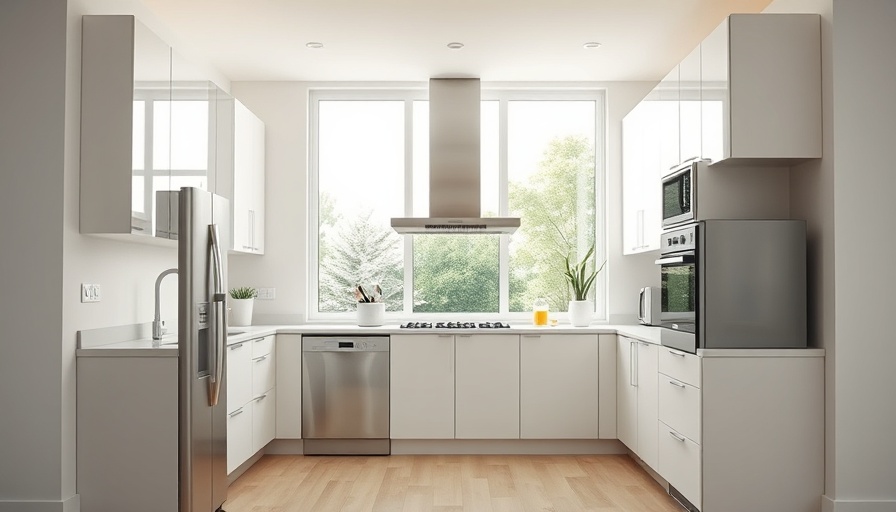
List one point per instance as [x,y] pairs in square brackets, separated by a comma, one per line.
[649,305]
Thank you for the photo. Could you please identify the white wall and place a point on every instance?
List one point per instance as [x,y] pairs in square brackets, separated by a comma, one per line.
[32,100]
[864,113]
[282,106]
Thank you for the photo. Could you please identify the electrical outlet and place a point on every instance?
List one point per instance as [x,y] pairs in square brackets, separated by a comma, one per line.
[267,293]
[90,292]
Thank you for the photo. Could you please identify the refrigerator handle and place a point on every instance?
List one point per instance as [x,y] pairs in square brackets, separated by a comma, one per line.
[219,322]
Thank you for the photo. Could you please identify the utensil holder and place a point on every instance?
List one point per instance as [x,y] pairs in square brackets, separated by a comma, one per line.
[370,314]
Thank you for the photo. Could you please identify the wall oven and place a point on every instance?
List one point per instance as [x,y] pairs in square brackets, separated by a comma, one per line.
[734,284]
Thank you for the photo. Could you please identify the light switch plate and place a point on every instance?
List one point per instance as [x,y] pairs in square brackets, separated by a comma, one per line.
[90,292]
[267,293]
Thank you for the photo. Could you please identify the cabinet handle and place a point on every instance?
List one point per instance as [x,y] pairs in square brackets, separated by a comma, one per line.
[256,340]
[444,335]
[236,412]
[237,345]
[676,436]
[262,397]
[531,335]
[675,353]
[645,344]
[247,247]
[260,359]
[677,384]
[464,335]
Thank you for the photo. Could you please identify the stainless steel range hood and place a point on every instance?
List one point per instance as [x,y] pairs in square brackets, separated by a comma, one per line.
[454,202]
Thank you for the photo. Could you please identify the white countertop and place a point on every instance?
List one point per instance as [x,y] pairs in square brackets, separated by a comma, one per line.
[145,347]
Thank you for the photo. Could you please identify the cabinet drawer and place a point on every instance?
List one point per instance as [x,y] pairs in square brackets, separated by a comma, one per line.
[239,436]
[680,463]
[263,420]
[263,374]
[679,407]
[239,375]
[680,365]
[262,346]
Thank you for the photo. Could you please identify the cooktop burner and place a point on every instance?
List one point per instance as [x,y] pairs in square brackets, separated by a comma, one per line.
[455,325]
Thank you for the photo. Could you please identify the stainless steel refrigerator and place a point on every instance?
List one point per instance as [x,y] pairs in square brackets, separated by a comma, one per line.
[203,231]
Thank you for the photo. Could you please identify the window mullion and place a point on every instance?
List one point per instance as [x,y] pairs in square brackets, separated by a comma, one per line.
[503,209]
[408,302]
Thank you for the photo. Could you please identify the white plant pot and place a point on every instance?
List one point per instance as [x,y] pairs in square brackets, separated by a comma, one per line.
[241,311]
[580,313]
[370,314]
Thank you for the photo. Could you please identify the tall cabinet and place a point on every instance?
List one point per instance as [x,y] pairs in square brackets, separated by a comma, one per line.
[637,398]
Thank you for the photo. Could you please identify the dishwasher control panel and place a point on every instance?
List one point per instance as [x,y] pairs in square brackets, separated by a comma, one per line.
[345,344]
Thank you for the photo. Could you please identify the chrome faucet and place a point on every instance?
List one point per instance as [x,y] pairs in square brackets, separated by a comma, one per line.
[157,330]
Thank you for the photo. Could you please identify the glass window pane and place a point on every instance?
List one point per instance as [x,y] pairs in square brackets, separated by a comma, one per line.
[456,273]
[189,135]
[161,135]
[361,186]
[551,180]
[138,154]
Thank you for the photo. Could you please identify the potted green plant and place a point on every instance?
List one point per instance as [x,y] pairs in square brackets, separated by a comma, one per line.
[580,280]
[242,301]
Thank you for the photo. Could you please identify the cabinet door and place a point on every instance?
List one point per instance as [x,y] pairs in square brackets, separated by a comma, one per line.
[559,386]
[263,374]
[239,375]
[487,387]
[264,423]
[258,166]
[715,133]
[239,436]
[648,403]
[669,96]
[288,349]
[627,392]
[690,133]
[641,177]
[243,156]
[422,386]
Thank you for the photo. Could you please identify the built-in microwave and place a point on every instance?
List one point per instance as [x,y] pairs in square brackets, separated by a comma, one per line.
[680,195]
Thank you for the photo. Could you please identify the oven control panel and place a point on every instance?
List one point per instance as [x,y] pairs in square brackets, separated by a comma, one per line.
[681,239]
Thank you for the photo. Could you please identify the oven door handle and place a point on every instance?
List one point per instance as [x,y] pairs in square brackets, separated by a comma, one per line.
[684,258]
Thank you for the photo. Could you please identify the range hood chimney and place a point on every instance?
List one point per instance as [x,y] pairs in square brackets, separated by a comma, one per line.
[454,165]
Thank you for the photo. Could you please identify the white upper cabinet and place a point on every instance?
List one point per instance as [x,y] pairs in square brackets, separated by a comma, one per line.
[125,93]
[148,127]
[640,177]
[689,107]
[765,69]
[248,181]
[668,93]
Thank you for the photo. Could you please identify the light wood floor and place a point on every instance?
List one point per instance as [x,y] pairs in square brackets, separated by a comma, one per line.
[286,483]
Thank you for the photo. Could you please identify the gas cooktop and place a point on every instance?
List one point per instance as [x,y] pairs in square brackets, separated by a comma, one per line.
[455,325]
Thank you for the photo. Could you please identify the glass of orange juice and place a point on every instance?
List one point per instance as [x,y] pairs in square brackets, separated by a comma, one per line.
[540,312]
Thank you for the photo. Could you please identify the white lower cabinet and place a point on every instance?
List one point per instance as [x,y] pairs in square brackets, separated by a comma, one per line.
[239,435]
[251,401]
[680,463]
[288,351]
[264,425]
[637,395]
[559,386]
[487,386]
[422,386]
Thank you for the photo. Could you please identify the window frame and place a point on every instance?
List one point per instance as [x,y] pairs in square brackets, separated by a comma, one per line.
[503,93]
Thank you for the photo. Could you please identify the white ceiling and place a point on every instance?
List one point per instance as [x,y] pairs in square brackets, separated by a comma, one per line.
[398,40]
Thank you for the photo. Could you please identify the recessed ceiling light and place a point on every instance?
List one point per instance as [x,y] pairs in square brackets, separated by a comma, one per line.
[455,46]
[590,45]
[314,44]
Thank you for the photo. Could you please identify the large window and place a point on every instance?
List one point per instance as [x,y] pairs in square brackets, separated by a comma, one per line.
[541,159]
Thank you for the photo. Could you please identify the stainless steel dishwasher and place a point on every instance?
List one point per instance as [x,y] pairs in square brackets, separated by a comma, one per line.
[345,395]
